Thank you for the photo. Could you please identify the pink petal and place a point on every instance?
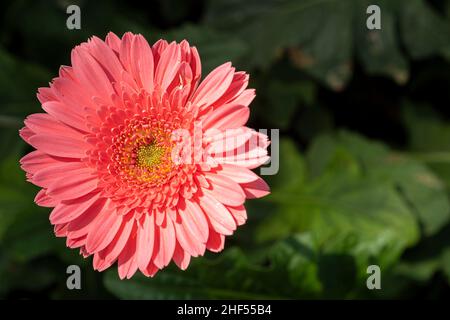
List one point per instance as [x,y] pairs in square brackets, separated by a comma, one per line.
[239,214]
[83,223]
[168,65]
[216,241]
[103,231]
[224,143]
[181,257]
[167,243]
[26,134]
[194,220]
[113,250]
[113,41]
[42,199]
[245,98]
[45,177]
[225,190]
[237,173]
[213,86]
[46,94]
[106,57]
[227,116]
[37,160]
[237,86]
[150,271]
[127,259]
[158,49]
[67,211]
[219,216]
[188,241]
[196,66]
[64,113]
[142,62]
[256,189]
[60,146]
[146,239]
[73,186]
[44,123]
[89,72]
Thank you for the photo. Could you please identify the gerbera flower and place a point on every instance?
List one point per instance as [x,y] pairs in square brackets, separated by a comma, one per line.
[106,148]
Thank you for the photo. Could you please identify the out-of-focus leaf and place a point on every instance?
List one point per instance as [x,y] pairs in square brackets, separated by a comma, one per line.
[25,231]
[359,191]
[446,263]
[336,28]
[429,138]
[292,166]
[283,99]
[419,264]
[232,276]
[18,93]
[18,86]
[214,47]
[379,50]
[424,31]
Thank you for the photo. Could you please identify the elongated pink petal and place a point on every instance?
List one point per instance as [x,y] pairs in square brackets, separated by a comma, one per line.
[46,124]
[67,211]
[103,230]
[146,239]
[142,62]
[167,241]
[73,186]
[37,160]
[113,41]
[237,86]
[115,248]
[46,176]
[106,58]
[194,220]
[88,71]
[188,241]
[219,216]
[256,189]
[239,214]
[60,146]
[127,259]
[44,200]
[213,86]
[83,223]
[168,65]
[237,173]
[228,116]
[225,190]
[181,257]
[62,113]
[26,134]
[216,241]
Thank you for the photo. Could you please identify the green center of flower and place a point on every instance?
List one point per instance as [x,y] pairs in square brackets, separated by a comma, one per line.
[150,155]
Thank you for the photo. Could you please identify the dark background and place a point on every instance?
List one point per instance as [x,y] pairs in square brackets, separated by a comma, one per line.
[364,154]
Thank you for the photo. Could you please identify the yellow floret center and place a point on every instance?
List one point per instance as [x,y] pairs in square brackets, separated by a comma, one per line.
[150,155]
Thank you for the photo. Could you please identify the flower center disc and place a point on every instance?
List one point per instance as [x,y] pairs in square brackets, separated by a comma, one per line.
[149,156]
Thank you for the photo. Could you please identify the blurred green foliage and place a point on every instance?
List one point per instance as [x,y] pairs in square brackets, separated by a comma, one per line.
[364,156]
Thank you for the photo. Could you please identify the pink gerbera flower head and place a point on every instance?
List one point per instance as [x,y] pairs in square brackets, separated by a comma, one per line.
[123,186]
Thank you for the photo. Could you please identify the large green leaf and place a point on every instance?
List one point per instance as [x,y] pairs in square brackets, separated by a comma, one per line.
[336,30]
[360,191]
